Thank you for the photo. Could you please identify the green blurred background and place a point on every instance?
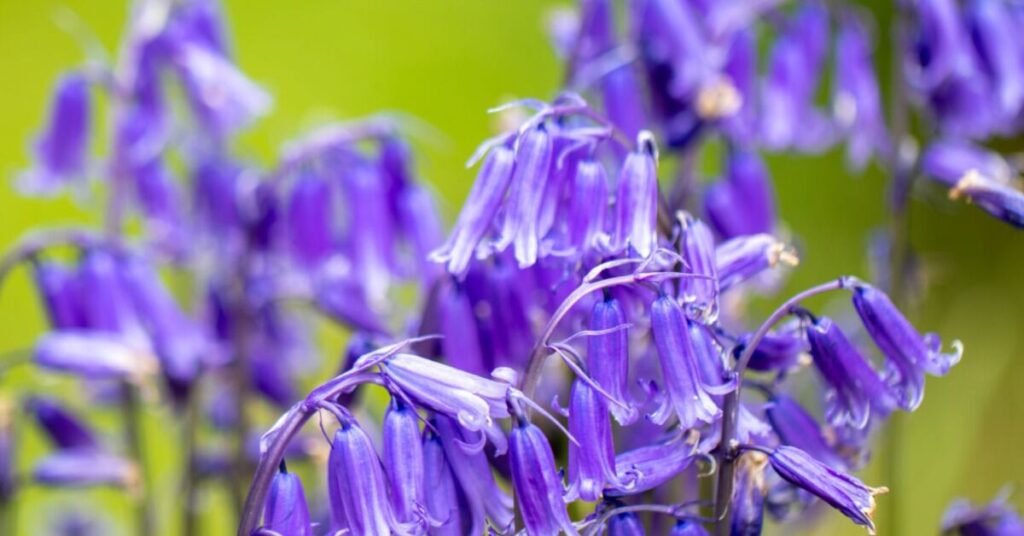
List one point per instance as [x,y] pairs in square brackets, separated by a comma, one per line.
[446,62]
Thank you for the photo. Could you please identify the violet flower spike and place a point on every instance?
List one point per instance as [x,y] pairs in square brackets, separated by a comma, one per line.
[62,148]
[477,215]
[536,481]
[909,354]
[286,511]
[403,459]
[637,198]
[855,388]
[840,490]
[688,398]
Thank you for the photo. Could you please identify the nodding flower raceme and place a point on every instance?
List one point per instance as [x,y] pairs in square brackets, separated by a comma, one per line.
[840,490]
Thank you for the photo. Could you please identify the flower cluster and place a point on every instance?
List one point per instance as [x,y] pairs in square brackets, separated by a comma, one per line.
[586,266]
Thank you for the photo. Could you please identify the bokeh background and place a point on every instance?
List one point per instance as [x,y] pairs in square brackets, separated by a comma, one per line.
[447,61]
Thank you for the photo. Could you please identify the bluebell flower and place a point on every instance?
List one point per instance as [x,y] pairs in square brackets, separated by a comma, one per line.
[106,304]
[854,387]
[64,429]
[908,354]
[286,511]
[477,216]
[625,524]
[61,150]
[216,191]
[442,503]
[537,484]
[857,100]
[403,459]
[743,203]
[484,499]
[637,199]
[58,290]
[357,488]
[688,527]
[472,400]
[746,257]
[697,248]
[741,70]
[778,350]
[83,468]
[648,467]
[608,355]
[589,207]
[688,398]
[160,201]
[998,518]
[993,32]
[797,428]
[310,220]
[533,155]
[998,199]
[748,495]
[939,47]
[671,34]
[840,490]
[788,116]
[592,460]
[371,231]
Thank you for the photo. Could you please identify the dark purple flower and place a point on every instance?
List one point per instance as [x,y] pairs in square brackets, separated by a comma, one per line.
[748,495]
[625,524]
[403,459]
[286,512]
[536,481]
[592,459]
[697,248]
[687,395]
[857,100]
[840,490]
[908,354]
[357,487]
[797,428]
[746,257]
[81,468]
[688,527]
[743,203]
[998,199]
[854,387]
[61,150]
[309,217]
[477,216]
[637,199]
[442,503]
[64,429]
[648,467]
[998,518]
[484,499]
[608,355]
